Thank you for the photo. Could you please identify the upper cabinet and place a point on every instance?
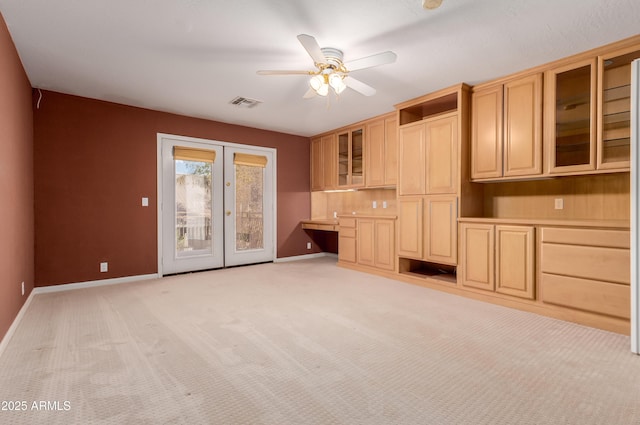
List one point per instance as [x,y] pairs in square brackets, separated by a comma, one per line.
[506,129]
[323,162]
[614,108]
[570,117]
[381,152]
[429,156]
[351,157]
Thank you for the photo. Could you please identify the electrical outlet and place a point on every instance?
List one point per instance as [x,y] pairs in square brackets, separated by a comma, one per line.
[375,204]
[104,267]
[559,203]
[384,204]
[308,245]
[22,288]
[145,202]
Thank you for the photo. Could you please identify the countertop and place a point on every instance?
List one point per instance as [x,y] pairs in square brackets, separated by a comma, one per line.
[608,224]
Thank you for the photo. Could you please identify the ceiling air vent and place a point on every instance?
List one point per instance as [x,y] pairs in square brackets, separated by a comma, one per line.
[244,102]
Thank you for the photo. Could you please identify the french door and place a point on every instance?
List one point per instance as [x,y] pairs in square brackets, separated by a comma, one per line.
[216,204]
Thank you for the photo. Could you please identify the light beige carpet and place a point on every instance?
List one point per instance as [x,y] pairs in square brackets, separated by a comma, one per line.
[307,343]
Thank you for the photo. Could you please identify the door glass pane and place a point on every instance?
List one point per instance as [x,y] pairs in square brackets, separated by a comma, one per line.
[249,207]
[573,117]
[616,108]
[193,208]
[356,157]
[343,159]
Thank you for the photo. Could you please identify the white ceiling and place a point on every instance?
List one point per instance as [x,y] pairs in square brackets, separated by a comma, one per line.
[192,57]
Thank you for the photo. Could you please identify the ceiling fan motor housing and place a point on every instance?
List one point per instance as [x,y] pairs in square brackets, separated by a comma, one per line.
[333,56]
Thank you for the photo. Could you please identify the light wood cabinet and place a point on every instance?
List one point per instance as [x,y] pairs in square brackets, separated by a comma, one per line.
[506,135]
[347,241]
[570,117]
[323,162]
[515,253]
[614,106]
[429,156]
[428,228]
[381,156]
[410,222]
[498,258]
[351,157]
[477,253]
[376,243]
[586,269]
[441,229]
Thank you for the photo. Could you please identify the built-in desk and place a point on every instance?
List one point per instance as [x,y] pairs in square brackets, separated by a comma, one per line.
[325,225]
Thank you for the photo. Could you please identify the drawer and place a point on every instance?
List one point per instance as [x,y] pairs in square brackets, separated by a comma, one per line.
[325,227]
[584,294]
[347,222]
[589,237]
[347,232]
[597,263]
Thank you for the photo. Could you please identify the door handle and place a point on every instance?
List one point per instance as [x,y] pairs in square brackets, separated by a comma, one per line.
[228,213]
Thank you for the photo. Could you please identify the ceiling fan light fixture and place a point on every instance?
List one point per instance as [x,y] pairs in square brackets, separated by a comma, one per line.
[316,82]
[335,81]
[431,4]
[323,90]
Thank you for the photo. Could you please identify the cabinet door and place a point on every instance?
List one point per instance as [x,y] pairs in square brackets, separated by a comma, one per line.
[347,245]
[441,229]
[515,274]
[441,146]
[523,126]
[391,151]
[375,153]
[384,244]
[486,133]
[317,164]
[344,165]
[570,117]
[411,162]
[366,230]
[329,159]
[477,256]
[614,106]
[357,154]
[410,227]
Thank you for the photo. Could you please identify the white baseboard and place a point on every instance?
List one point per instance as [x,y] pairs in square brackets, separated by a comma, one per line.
[304,257]
[93,283]
[16,322]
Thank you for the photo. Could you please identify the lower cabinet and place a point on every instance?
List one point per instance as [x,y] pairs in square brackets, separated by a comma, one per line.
[428,228]
[586,269]
[498,258]
[347,240]
[376,243]
[367,241]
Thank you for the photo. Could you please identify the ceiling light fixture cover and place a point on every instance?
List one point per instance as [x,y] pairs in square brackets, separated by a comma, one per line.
[431,4]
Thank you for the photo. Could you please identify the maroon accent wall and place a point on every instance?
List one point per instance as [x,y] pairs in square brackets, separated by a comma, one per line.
[95,160]
[16,182]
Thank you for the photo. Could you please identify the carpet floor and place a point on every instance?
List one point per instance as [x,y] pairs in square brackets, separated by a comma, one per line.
[306,343]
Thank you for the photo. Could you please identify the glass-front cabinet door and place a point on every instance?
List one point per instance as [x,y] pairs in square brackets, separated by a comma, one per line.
[570,117]
[614,109]
[351,158]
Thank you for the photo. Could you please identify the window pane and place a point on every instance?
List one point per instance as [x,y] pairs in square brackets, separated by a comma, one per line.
[193,208]
[249,207]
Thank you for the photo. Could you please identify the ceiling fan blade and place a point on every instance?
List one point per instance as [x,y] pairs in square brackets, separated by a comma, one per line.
[312,47]
[359,86]
[284,72]
[309,94]
[370,61]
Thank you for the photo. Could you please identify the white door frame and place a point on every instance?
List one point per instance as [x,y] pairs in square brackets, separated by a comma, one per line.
[162,136]
[635,206]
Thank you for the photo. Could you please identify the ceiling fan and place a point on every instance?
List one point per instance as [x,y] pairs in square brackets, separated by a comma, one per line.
[331,71]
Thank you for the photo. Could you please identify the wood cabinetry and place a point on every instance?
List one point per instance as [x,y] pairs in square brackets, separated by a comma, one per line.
[429,156]
[428,228]
[498,258]
[506,129]
[376,243]
[351,157]
[323,162]
[347,239]
[586,269]
[570,116]
[381,156]
[614,106]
